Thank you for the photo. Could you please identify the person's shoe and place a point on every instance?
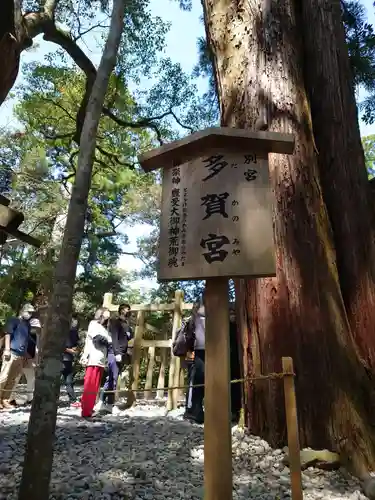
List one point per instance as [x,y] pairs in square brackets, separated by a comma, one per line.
[107,408]
[116,411]
[102,408]
[199,419]
[196,419]
[7,405]
[99,406]
[235,418]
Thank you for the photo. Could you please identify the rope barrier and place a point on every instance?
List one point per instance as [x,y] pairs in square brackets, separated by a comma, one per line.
[250,378]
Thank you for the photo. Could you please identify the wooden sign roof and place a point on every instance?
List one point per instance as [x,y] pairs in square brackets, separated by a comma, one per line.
[10,220]
[181,151]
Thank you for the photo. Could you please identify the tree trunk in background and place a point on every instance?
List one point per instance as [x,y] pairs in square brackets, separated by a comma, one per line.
[343,173]
[10,47]
[300,313]
[41,432]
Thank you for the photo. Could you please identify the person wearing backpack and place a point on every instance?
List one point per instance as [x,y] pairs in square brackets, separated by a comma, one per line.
[194,333]
[185,336]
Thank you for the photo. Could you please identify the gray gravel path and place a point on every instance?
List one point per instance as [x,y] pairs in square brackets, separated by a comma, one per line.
[144,455]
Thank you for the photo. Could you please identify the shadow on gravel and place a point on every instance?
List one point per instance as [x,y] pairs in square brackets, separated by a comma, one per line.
[137,458]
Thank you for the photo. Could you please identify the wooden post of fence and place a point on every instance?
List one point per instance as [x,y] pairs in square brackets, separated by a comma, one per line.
[137,346]
[174,366]
[163,365]
[292,429]
[150,372]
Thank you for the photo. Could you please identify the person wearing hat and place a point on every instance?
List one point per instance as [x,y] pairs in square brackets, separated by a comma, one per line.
[17,338]
[30,362]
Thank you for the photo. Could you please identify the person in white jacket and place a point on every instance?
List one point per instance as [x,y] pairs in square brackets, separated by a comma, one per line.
[94,357]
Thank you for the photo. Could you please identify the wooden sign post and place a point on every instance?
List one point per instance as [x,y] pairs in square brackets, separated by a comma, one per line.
[216,223]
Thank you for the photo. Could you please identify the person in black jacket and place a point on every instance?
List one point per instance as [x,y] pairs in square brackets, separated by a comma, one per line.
[195,358]
[71,349]
[121,333]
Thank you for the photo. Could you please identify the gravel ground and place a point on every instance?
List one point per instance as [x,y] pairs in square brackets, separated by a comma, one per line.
[144,455]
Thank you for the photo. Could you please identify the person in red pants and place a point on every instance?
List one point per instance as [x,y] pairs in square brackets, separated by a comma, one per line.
[94,357]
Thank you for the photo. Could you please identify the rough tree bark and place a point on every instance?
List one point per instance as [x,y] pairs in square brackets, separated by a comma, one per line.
[258,56]
[40,440]
[343,173]
[10,47]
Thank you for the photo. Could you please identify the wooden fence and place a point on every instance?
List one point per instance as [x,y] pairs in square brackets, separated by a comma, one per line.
[147,348]
[143,347]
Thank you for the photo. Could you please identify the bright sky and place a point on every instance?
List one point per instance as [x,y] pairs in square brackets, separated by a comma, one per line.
[181,47]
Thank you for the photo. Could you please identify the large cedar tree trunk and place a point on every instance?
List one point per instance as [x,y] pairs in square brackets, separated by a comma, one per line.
[258,55]
[346,190]
[41,432]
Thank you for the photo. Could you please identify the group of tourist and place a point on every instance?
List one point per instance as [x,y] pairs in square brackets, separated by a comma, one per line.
[105,356]
[106,346]
[194,345]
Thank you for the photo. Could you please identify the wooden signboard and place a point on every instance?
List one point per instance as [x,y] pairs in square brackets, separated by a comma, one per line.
[10,220]
[217,218]
[216,223]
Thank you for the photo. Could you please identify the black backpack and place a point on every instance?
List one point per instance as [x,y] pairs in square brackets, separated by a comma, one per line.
[179,346]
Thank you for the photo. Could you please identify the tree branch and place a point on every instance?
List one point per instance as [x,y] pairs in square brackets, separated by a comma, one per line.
[71,158]
[57,136]
[19,30]
[143,122]
[83,33]
[107,234]
[50,8]
[63,40]
[43,22]
[114,156]
[187,127]
[58,105]
[133,254]
[42,221]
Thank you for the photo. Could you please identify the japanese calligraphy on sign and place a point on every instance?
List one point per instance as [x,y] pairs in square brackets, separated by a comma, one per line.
[216,218]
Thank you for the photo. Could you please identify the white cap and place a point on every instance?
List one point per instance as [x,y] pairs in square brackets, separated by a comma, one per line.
[28,308]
